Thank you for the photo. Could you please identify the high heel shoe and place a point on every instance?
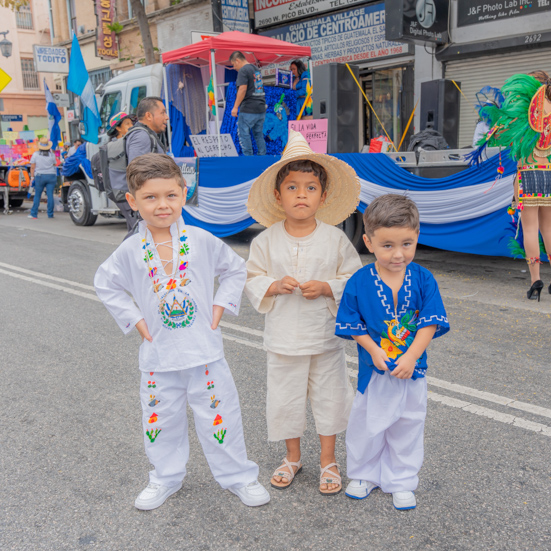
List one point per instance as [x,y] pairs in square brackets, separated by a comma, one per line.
[535,290]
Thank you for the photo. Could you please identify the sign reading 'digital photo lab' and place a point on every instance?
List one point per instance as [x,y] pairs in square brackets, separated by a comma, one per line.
[51,59]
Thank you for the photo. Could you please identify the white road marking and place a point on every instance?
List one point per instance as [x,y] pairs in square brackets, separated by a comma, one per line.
[452,402]
[51,285]
[490,413]
[46,276]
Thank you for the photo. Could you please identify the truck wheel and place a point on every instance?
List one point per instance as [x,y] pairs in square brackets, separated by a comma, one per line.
[15,203]
[353,228]
[79,203]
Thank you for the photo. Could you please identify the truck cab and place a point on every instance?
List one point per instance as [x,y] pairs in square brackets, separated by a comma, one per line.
[125,91]
[81,195]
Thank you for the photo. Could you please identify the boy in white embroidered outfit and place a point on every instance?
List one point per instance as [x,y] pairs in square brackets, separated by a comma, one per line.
[169,269]
[297,270]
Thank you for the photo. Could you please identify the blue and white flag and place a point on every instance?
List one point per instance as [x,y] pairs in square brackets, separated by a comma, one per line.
[54,116]
[79,83]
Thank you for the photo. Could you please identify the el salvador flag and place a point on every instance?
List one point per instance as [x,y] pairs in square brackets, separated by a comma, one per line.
[54,116]
[79,83]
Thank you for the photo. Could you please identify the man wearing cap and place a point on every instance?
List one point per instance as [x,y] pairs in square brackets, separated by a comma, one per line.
[251,103]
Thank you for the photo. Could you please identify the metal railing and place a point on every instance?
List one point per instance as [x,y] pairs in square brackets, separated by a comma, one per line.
[24,18]
[30,76]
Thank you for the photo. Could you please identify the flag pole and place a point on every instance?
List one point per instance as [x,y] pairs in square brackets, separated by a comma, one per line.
[215,86]
[168,127]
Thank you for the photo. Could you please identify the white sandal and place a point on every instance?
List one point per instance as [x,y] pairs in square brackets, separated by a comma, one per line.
[289,476]
[333,478]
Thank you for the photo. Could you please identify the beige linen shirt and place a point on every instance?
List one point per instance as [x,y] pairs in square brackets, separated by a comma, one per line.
[294,325]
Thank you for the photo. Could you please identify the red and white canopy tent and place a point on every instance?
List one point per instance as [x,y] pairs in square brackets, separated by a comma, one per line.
[216,50]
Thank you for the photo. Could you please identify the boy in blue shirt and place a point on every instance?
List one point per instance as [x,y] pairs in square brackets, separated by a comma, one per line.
[393,309]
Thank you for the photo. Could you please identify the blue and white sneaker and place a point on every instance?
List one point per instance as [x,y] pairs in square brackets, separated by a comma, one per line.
[359,489]
[404,500]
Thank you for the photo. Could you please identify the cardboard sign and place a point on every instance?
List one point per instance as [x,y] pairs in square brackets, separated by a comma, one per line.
[207,145]
[190,171]
[315,132]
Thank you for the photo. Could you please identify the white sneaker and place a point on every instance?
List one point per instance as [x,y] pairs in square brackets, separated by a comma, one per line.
[404,500]
[359,489]
[154,496]
[253,495]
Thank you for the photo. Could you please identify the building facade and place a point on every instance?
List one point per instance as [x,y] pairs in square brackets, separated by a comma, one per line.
[23,98]
[109,27]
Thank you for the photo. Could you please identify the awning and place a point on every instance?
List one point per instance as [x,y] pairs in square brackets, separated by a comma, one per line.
[259,50]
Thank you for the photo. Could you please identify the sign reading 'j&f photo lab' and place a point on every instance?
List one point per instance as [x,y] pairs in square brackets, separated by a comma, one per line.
[472,12]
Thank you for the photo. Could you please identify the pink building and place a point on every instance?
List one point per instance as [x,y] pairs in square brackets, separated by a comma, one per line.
[24,95]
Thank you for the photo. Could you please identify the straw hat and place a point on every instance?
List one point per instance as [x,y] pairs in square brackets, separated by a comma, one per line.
[44,144]
[343,186]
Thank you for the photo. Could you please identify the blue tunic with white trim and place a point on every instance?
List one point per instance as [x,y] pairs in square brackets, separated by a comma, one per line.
[367,308]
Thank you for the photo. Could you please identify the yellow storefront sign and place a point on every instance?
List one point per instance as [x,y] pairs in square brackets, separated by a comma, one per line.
[5,79]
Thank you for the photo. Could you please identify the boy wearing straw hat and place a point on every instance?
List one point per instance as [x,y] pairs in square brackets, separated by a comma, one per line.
[297,271]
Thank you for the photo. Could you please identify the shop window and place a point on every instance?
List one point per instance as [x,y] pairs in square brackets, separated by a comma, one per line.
[24,17]
[30,76]
[390,92]
[137,95]
[130,12]
[72,17]
[99,76]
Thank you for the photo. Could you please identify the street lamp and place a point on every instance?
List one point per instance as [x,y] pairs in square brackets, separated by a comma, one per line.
[5,45]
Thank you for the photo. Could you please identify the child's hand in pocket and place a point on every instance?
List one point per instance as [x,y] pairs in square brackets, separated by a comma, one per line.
[142,329]
[217,312]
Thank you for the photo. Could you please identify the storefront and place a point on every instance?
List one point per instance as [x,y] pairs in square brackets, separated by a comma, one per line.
[517,39]
[355,36]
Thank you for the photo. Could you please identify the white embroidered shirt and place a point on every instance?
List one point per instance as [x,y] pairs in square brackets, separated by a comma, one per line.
[179,314]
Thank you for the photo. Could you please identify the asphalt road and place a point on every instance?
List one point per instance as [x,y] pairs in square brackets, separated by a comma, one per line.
[72,459]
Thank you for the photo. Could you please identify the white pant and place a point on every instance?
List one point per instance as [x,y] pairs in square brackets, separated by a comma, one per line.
[384,439]
[212,395]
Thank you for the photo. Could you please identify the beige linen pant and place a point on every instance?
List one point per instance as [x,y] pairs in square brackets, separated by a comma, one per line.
[292,380]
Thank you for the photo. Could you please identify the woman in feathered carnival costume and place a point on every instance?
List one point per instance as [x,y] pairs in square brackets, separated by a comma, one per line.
[523,123]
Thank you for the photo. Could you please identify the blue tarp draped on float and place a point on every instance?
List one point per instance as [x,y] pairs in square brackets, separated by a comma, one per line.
[465,212]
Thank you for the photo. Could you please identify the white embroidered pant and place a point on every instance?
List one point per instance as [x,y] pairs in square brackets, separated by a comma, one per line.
[384,439]
[293,380]
[211,393]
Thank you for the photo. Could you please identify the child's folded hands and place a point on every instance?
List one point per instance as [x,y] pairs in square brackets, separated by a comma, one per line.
[405,365]
[284,286]
[313,289]
[379,357]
